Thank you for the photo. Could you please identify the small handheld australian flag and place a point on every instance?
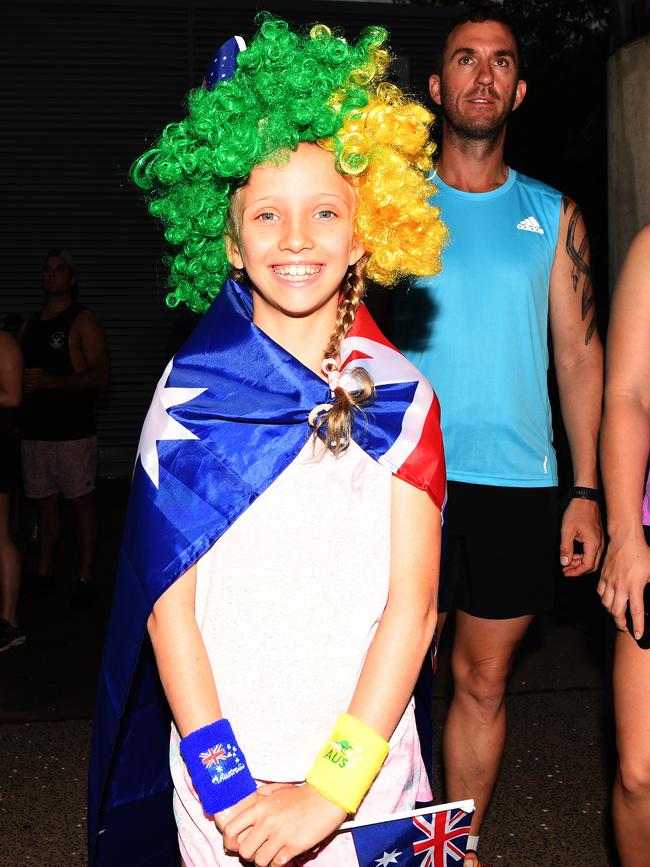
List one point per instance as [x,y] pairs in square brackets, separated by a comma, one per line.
[429,837]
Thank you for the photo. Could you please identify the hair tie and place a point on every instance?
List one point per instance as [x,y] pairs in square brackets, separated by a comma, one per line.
[318,410]
[331,370]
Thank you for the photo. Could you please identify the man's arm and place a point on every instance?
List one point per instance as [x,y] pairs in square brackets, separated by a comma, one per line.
[11,371]
[578,355]
[89,356]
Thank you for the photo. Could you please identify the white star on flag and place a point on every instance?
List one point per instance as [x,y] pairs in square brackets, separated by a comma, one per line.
[388,858]
[159,424]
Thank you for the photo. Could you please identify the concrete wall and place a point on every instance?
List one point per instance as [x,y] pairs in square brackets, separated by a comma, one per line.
[628,135]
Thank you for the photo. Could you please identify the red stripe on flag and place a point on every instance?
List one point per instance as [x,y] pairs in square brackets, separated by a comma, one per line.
[365,326]
[425,466]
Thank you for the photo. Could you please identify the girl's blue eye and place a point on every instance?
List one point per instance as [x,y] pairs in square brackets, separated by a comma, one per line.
[267,217]
[325,214]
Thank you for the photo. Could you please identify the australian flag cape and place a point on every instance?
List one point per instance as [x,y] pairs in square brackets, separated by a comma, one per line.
[229,414]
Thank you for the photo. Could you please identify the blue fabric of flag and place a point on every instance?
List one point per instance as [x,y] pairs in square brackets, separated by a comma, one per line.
[224,63]
[229,415]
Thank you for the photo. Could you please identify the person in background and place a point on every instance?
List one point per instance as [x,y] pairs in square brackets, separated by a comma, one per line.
[66,362]
[517,263]
[11,389]
[625,450]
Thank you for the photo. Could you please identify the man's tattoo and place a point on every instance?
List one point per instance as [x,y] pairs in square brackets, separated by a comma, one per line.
[581,273]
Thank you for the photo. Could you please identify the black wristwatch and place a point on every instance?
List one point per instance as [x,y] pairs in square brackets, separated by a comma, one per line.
[579,493]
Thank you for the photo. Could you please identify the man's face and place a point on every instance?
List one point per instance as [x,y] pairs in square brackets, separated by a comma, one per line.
[58,277]
[478,86]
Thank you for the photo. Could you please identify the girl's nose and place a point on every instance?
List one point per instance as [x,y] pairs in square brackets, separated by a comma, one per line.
[297,236]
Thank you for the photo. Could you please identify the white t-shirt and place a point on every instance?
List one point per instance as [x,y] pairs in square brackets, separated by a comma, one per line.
[288,601]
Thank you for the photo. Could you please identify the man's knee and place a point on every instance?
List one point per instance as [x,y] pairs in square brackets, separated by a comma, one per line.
[482,681]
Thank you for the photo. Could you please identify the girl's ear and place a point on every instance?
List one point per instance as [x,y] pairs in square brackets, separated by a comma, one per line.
[357,250]
[232,252]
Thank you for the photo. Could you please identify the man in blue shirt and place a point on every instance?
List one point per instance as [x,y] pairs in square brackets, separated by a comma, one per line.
[517,263]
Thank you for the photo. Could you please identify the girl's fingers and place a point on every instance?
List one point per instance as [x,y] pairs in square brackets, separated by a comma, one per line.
[618,608]
[284,857]
[255,842]
[236,827]
[637,609]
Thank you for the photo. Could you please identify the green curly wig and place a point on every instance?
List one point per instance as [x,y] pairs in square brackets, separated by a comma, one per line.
[289,88]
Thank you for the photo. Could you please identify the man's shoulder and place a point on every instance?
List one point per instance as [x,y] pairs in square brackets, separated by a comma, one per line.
[8,342]
[534,185]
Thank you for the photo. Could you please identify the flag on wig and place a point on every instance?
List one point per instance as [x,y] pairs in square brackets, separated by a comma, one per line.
[430,837]
[227,417]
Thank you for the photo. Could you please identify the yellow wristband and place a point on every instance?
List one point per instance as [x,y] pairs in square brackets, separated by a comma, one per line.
[348,763]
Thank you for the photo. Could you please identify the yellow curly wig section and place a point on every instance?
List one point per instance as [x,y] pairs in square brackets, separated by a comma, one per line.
[386,149]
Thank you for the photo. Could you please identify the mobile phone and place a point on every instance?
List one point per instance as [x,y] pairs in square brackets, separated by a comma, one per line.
[644,641]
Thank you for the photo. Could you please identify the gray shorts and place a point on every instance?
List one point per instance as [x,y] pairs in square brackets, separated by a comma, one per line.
[68,467]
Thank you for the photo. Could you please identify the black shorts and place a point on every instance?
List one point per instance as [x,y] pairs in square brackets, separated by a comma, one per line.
[502,548]
[9,462]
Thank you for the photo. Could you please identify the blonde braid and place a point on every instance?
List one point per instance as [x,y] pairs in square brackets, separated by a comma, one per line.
[335,425]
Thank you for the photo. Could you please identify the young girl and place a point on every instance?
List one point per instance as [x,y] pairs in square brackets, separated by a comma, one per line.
[282,542]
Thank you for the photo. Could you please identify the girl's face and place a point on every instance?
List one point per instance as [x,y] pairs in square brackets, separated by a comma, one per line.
[295,235]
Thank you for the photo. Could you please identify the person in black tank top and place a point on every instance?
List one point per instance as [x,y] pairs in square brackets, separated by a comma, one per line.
[66,361]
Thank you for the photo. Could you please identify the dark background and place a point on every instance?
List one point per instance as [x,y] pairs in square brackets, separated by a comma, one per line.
[88,85]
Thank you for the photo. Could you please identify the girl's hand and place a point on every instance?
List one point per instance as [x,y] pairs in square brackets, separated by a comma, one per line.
[222,818]
[287,821]
[625,573]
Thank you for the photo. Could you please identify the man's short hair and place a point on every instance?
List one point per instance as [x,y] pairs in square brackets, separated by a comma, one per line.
[60,253]
[478,13]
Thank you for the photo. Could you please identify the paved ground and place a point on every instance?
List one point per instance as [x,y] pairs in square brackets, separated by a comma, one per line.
[550,808]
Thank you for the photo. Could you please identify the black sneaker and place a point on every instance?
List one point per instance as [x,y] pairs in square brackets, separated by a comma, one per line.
[10,636]
[83,595]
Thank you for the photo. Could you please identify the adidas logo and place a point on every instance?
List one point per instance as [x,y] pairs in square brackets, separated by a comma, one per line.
[530,224]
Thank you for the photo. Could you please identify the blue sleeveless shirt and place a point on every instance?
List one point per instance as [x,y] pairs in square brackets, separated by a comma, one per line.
[479,332]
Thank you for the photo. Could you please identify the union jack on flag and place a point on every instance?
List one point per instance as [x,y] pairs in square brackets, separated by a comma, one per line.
[213,756]
[429,837]
[441,837]
[413,440]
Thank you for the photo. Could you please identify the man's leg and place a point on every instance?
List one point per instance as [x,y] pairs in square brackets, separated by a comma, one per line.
[631,797]
[49,529]
[41,487]
[75,472]
[475,732]
[86,520]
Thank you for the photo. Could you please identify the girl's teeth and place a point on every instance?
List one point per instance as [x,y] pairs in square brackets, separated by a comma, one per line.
[298,271]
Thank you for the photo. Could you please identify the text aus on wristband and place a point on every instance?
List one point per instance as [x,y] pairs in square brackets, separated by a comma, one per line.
[217,766]
[348,763]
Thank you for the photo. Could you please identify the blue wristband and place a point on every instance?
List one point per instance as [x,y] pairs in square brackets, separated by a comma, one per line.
[217,766]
